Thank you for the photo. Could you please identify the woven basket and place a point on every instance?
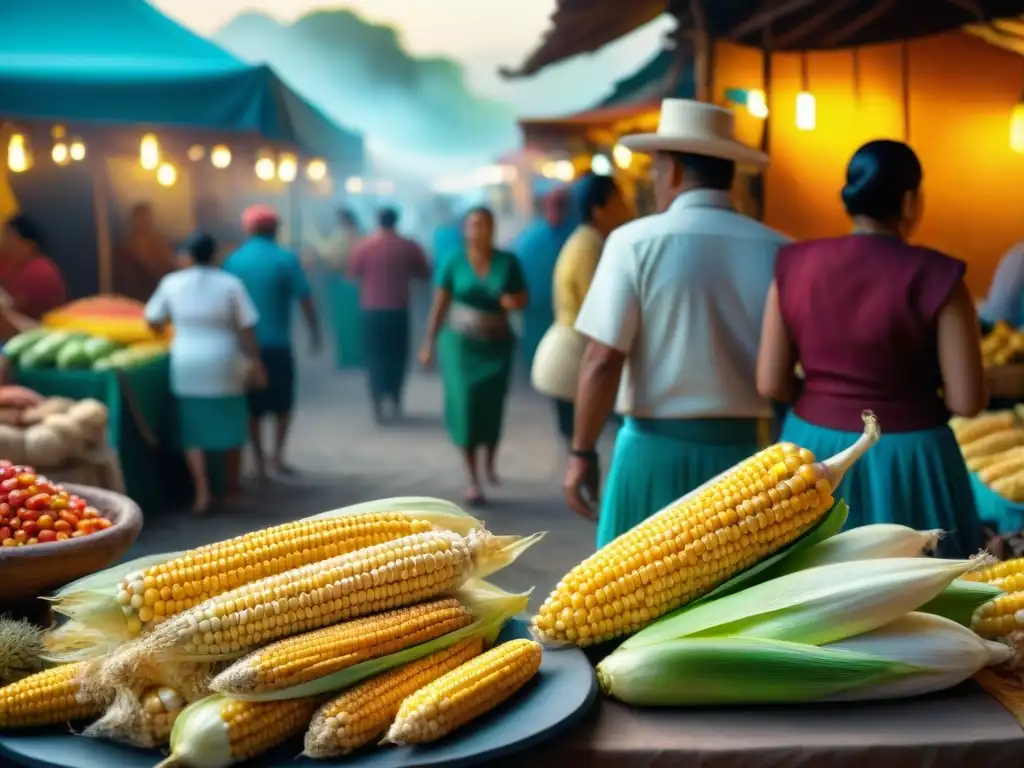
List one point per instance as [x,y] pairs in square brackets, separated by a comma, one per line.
[1006,382]
[28,572]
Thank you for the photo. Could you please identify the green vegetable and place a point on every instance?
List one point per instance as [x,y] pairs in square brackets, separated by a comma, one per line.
[72,355]
[43,354]
[96,348]
[22,342]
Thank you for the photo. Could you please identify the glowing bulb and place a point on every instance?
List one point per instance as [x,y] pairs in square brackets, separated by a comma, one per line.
[265,168]
[806,111]
[149,152]
[354,185]
[60,153]
[58,132]
[316,170]
[601,165]
[287,168]
[77,150]
[195,153]
[1017,129]
[220,156]
[757,103]
[622,156]
[18,159]
[166,175]
[564,170]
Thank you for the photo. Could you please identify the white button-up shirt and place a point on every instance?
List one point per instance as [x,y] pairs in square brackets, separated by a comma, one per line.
[682,294]
[208,307]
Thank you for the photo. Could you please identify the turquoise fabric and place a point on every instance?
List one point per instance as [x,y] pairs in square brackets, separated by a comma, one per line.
[149,385]
[656,462]
[1004,516]
[213,423]
[917,479]
[275,281]
[537,249]
[446,243]
[122,61]
[346,323]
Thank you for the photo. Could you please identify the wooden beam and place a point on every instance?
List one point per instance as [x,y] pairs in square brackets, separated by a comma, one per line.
[767,15]
[701,51]
[799,32]
[969,7]
[866,19]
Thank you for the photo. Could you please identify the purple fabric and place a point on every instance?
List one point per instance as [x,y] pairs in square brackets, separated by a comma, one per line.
[385,264]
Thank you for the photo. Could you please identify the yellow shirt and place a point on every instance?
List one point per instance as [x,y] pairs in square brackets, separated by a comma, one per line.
[574,271]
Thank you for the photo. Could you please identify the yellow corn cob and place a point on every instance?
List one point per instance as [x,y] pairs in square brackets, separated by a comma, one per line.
[465,693]
[217,732]
[1000,616]
[144,721]
[979,463]
[371,580]
[996,571]
[298,660]
[1011,487]
[363,713]
[49,697]
[996,442]
[1014,583]
[969,430]
[695,545]
[1006,467]
[150,596]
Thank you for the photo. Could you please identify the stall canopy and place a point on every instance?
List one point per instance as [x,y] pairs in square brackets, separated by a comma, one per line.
[584,26]
[121,62]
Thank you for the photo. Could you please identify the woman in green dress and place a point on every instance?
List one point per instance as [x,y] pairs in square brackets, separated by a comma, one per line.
[469,328]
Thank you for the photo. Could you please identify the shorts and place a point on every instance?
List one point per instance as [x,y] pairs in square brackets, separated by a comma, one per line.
[279,394]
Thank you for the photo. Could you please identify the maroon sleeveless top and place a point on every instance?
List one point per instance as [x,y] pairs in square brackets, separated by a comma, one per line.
[862,313]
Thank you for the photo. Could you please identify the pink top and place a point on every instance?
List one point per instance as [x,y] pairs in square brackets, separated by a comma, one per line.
[862,312]
[384,264]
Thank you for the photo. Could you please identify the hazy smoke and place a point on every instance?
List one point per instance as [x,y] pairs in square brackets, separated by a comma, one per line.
[360,74]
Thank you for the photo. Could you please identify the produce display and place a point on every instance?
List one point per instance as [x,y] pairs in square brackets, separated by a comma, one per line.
[48,432]
[35,511]
[993,447]
[1003,345]
[107,316]
[224,652]
[42,348]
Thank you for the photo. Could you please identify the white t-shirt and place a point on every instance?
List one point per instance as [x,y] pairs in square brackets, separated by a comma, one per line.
[207,307]
[682,293]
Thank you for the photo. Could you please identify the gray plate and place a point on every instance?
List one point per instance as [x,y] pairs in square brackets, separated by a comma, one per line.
[558,697]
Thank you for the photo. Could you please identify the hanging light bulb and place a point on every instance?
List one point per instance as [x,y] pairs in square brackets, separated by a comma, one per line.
[60,153]
[806,107]
[149,152]
[166,175]
[601,165]
[757,103]
[1017,128]
[195,153]
[622,156]
[266,169]
[316,170]
[58,132]
[220,156]
[18,158]
[77,150]
[564,170]
[287,168]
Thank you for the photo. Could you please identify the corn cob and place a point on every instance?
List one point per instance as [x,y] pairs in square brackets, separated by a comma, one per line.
[980,463]
[297,660]
[996,442]
[217,732]
[363,713]
[145,721]
[970,430]
[49,697]
[1000,617]
[1011,487]
[1007,467]
[693,546]
[465,693]
[997,571]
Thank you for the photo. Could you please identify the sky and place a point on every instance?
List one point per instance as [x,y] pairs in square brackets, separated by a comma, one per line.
[481,34]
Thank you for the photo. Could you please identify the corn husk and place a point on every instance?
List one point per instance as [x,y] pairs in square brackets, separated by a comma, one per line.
[21,649]
[960,600]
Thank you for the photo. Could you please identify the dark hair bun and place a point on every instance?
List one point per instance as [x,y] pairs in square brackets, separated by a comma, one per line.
[201,247]
[879,175]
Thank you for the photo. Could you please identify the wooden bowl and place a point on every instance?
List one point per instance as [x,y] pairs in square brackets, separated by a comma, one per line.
[28,572]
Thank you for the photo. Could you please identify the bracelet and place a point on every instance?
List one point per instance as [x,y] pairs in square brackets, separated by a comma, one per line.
[590,455]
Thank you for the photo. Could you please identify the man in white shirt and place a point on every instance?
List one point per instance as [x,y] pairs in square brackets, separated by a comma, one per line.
[674,321]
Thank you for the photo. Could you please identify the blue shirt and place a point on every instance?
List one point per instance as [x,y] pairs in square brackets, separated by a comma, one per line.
[1006,295]
[275,281]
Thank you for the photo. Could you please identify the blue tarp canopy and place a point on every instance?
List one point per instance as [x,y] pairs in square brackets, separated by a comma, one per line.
[120,62]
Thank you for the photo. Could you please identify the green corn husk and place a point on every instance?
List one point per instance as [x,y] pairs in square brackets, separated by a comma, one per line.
[916,654]
[816,606]
[961,599]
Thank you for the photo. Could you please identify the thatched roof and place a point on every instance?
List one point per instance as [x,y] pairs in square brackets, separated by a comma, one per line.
[584,26]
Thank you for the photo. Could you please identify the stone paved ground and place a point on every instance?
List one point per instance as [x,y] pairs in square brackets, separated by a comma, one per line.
[346,459]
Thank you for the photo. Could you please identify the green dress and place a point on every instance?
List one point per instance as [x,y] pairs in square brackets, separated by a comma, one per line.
[476,372]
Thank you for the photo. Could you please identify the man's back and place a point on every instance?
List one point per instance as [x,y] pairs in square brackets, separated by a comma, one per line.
[384,264]
[683,293]
[275,281]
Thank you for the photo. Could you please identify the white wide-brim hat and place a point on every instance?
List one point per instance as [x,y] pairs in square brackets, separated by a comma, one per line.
[697,128]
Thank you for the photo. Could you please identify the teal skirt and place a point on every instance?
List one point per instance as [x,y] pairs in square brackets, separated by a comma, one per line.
[917,479]
[656,462]
[213,423]
[346,323]
[476,376]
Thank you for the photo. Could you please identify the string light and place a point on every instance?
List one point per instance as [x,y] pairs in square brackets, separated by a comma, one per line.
[149,152]
[195,153]
[166,175]
[287,168]
[19,159]
[316,170]
[757,103]
[266,169]
[77,150]
[60,153]
[220,156]
[806,107]
[622,156]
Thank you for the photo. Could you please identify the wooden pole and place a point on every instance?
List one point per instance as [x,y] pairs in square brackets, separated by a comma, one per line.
[766,132]
[701,51]
[101,212]
[905,87]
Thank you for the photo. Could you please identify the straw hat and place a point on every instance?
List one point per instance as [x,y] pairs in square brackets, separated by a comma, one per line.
[697,128]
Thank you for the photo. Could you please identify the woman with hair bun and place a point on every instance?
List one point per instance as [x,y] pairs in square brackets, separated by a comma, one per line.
[882,325]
